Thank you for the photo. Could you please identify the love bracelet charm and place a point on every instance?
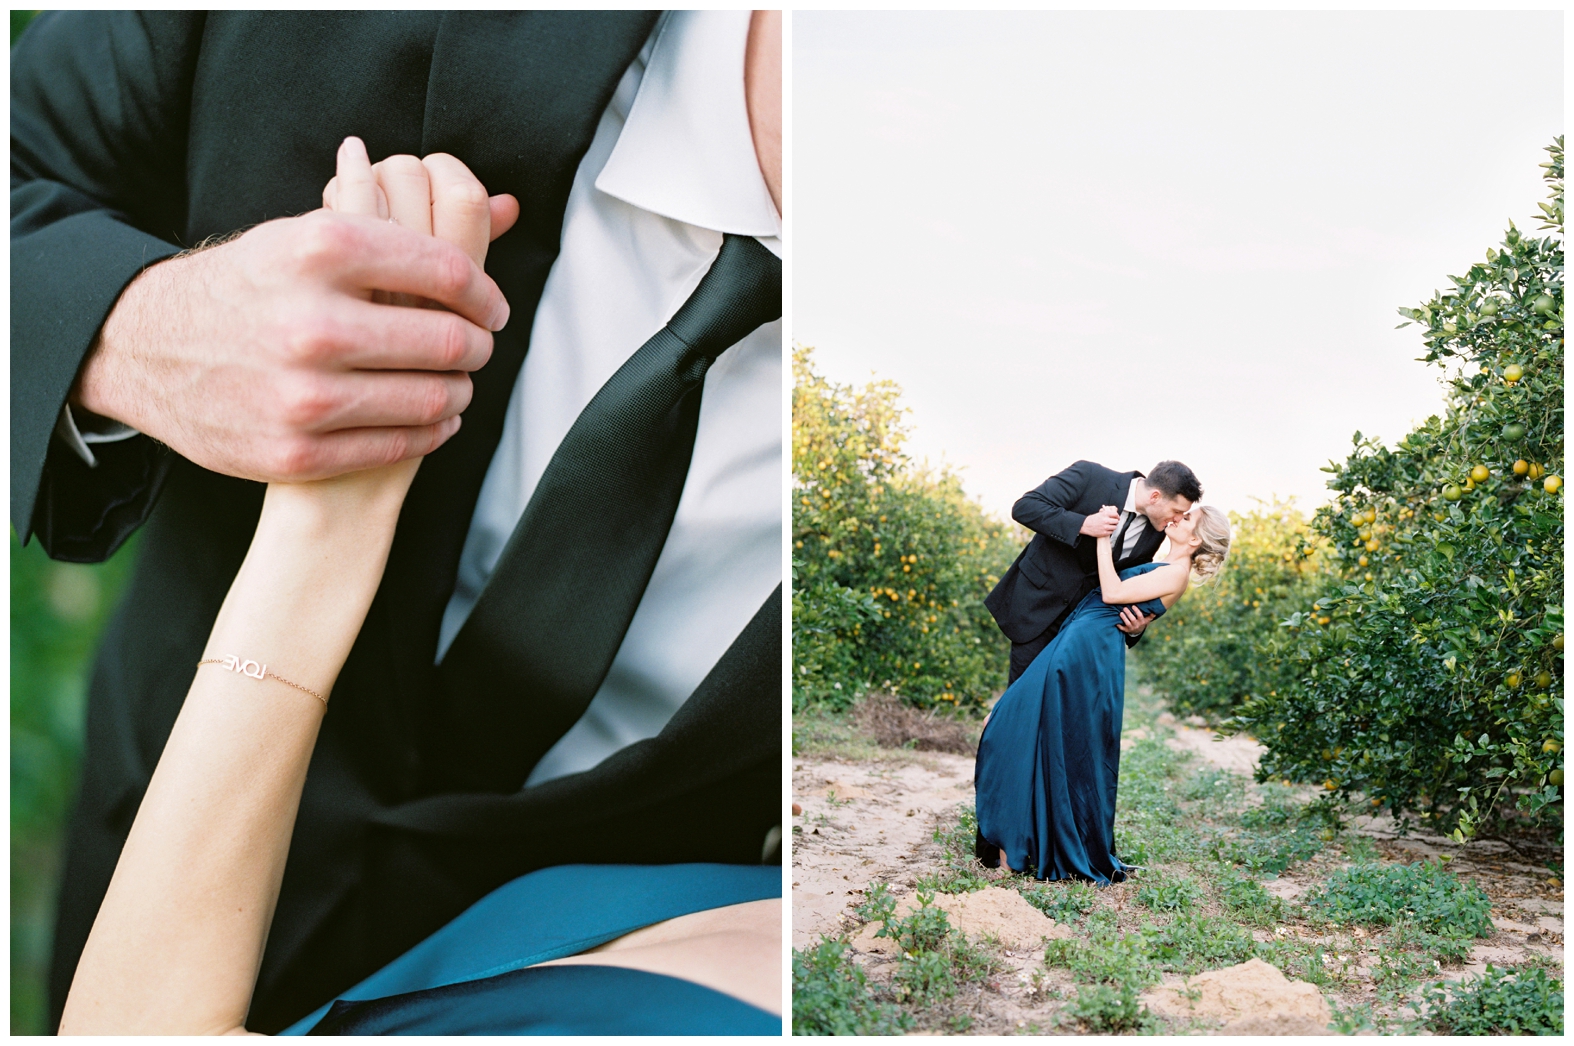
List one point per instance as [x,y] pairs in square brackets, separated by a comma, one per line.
[256,670]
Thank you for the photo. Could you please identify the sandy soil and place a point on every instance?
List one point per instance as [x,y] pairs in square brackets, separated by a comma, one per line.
[874,822]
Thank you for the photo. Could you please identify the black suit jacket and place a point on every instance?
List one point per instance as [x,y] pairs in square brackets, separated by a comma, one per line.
[134,134]
[1058,567]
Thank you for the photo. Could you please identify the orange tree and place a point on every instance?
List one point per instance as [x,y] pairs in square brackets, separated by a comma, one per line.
[1430,673]
[891,561]
[1222,644]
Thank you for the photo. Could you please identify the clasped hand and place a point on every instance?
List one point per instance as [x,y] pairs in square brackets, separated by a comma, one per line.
[274,357]
[1102,524]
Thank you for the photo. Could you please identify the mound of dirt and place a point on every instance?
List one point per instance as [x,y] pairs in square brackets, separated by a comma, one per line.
[1253,998]
[892,724]
[991,912]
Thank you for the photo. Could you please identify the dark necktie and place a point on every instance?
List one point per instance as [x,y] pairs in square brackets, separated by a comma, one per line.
[1120,537]
[544,631]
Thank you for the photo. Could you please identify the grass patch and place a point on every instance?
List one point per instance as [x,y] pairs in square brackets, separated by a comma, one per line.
[961,872]
[1247,900]
[1272,837]
[1169,894]
[831,996]
[1424,895]
[936,962]
[1064,902]
[1100,1009]
[1105,958]
[1499,1002]
[820,733]
[1191,943]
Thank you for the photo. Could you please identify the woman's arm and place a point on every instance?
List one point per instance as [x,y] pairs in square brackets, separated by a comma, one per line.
[179,938]
[1154,584]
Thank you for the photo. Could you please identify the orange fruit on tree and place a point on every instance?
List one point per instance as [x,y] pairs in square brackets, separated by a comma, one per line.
[1480,473]
[1553,484]
[1521,467]
[1536,471]
[1513,372]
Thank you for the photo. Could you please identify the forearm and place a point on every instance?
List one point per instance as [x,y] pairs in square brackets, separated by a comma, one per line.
[179,938]
[1110,584]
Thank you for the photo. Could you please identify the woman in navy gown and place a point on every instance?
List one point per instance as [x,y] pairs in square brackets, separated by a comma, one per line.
[178,940]
[1049,759]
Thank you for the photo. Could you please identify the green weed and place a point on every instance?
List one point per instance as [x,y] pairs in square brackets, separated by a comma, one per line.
[1170,894]
[1247,900]
[831,996]
[1499,1002]
[1192,943]
[1423,894]
[1102,1009]
[1065,902]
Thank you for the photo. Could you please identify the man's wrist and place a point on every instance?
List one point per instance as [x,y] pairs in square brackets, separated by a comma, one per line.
[101,388]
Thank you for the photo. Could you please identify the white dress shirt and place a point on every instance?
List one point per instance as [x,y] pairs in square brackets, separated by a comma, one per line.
[671,168]
[1133,521]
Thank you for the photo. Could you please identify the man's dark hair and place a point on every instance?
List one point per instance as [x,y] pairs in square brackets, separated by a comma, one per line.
[1171,478]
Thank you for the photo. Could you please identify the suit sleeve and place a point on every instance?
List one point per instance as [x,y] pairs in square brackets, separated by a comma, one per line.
[1047,508]
[100,106]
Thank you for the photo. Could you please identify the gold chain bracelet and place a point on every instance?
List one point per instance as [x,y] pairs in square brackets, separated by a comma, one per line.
[254,670]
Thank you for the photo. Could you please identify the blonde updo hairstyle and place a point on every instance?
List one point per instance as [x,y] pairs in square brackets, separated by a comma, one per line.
[1213,527]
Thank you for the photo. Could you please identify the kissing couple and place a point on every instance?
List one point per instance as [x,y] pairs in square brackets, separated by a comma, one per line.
[1078,596]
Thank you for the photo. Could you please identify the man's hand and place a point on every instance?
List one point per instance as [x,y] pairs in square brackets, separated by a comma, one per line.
[267,358]
[1134,621]
[1102,523]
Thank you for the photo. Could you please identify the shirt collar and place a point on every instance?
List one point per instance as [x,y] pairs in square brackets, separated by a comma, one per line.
[686,151]
[1131,497]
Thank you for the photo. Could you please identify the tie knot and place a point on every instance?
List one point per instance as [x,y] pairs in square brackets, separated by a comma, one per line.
[742,290]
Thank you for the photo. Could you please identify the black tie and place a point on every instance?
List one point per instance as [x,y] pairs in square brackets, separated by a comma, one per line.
[544,631]
[1120,538]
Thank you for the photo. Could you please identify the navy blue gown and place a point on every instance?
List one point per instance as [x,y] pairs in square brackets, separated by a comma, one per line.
[1049,759]
[478,974]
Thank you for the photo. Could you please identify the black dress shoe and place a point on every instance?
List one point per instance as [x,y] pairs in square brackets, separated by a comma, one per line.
[987,852]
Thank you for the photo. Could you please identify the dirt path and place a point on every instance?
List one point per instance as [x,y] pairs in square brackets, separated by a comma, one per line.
[874,821]
[866,822]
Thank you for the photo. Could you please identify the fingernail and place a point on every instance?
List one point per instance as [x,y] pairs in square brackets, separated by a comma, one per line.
[499,315]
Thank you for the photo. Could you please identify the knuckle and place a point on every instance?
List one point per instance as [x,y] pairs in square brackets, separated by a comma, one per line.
[306,402]
[465,195]
[453,343]
[312,338]
[451,271]
[324,239]
[294,456]
[434,401]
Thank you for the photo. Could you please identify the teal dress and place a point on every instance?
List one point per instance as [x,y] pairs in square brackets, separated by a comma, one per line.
[1049,759]
[478,974]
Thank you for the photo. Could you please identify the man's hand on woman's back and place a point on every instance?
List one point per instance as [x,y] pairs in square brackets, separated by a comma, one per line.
[268,358]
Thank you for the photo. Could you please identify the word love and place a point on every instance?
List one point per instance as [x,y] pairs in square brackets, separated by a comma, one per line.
[245,668]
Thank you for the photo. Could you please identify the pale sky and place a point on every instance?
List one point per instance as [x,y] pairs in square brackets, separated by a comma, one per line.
[1146,235]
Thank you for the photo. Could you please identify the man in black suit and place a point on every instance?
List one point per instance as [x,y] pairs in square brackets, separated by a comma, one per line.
[1069,512]
[134,134]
